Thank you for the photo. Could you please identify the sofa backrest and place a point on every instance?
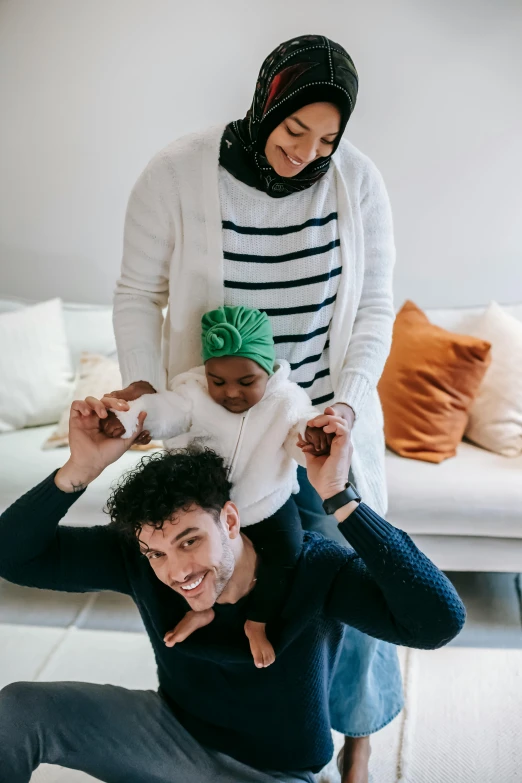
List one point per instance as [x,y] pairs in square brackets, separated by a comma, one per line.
[462,320]
[88,327]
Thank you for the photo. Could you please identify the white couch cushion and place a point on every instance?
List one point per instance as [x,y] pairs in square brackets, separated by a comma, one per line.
[476,493]
[25,464]
[36,374]
[495,418]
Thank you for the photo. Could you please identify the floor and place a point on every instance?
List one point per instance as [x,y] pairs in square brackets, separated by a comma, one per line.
[47,636]
[493,602]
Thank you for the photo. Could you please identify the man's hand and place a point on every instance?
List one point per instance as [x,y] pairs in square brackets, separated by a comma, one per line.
[91,449]
[329,474]
[111,426]
[319,439]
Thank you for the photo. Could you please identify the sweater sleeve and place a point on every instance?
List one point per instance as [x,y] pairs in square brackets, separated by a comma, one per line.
[142,289]
[372,330]
[37,552]
[390,590]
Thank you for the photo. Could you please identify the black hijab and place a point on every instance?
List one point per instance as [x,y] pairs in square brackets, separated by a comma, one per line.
[305,70]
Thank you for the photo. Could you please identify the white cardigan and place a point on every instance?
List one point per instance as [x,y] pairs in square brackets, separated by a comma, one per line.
[259,446]
[173,255]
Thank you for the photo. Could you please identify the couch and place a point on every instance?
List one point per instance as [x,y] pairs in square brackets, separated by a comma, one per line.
[22,460]
[465,513]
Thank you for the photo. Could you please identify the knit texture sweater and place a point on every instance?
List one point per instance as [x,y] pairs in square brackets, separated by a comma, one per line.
[275,718]
[287,263]
[173,255]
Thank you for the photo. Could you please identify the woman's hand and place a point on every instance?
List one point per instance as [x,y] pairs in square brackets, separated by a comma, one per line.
[344,410]
[329,474]
[91,450]
[111,426]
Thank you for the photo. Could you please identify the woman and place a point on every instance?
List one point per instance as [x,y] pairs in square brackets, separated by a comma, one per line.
[263,214]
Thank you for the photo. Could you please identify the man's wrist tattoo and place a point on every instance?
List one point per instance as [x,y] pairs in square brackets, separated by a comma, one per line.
[78,487]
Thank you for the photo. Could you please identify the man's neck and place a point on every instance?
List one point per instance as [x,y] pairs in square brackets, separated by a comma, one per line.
[243,579]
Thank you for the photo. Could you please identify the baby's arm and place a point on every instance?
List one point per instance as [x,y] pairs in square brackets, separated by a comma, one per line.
[304,411]
[168,415]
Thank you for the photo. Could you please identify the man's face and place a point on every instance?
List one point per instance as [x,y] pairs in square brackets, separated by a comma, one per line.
[192,553]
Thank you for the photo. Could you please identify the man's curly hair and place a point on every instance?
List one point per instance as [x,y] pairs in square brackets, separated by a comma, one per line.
[166,482]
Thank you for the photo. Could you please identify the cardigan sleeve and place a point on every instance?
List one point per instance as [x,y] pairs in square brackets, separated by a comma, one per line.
[142,289]
[372,330]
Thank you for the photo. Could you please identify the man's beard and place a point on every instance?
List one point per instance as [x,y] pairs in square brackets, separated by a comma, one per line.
[226,567]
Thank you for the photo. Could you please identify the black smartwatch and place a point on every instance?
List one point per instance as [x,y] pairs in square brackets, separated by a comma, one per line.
[342,498]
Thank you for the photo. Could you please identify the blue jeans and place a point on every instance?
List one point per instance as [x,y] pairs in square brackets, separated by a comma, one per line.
[366,691]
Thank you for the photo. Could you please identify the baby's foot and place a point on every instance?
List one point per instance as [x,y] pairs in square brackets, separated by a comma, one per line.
[261,649]
[190,623]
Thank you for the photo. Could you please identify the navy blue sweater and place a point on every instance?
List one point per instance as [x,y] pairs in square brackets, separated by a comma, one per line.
[274,718]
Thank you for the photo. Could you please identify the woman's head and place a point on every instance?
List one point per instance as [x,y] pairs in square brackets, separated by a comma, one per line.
[305,136]
[310,78]
[239,356]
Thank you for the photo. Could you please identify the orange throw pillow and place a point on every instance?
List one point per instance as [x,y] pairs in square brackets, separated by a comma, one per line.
[428,384]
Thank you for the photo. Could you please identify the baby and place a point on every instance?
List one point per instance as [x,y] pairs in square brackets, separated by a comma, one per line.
[243,405]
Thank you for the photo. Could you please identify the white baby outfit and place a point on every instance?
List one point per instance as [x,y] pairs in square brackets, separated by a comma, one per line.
[259,446]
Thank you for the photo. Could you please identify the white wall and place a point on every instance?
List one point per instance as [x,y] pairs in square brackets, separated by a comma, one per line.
[91,89]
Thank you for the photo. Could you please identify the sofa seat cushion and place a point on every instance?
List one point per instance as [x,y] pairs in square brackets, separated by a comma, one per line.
[25,464]
[476,493]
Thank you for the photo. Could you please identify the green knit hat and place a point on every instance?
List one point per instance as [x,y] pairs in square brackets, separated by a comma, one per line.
[238,331]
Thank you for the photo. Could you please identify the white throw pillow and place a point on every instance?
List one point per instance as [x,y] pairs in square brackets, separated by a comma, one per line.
[36,375]
[495,421]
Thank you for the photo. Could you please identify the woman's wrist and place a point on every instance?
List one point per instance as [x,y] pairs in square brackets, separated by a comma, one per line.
[346,411]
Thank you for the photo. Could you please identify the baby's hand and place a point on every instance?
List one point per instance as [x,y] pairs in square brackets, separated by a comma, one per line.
[319,440]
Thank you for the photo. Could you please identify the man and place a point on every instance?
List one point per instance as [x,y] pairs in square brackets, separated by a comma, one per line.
[215,717]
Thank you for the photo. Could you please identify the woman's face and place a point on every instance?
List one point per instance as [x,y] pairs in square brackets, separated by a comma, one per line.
[301,138]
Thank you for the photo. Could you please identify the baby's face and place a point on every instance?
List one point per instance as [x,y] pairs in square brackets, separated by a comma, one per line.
[235,383]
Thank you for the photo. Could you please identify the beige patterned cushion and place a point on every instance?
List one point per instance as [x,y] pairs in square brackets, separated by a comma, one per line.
[97,375]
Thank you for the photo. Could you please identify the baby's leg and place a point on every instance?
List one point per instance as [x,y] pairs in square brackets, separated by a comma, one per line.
[262,651]
[190,623]
[278,541]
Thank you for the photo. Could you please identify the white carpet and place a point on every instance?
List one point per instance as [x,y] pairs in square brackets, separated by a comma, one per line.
[462,721]
[463,718]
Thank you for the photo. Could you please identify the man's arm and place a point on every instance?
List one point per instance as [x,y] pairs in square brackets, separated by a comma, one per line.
[389,589]
[36,552]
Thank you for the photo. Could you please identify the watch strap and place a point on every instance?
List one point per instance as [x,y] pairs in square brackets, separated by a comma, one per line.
[341,499]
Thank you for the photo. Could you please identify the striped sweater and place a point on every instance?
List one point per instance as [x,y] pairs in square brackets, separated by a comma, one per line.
[284,257]
[173,255]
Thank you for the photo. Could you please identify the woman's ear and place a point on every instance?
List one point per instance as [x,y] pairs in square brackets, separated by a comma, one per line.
[230,519]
